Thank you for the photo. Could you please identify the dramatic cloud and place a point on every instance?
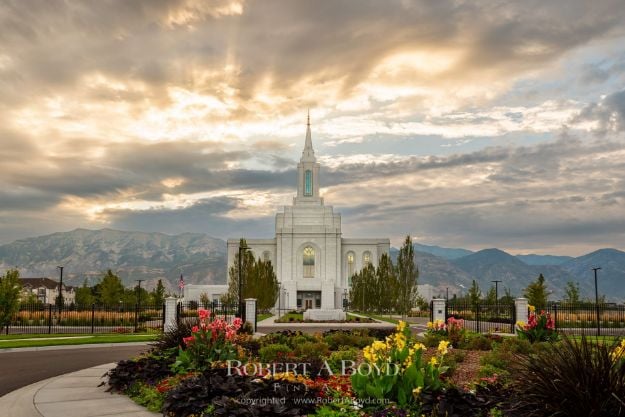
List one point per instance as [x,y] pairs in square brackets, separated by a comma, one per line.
[466,123]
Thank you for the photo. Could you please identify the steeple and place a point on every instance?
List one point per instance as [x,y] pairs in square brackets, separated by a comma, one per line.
[309,153]
[308,173]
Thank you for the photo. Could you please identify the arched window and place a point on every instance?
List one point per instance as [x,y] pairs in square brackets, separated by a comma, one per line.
[350,267]
[266,256]
[308,183]
[309,262]
[366,259]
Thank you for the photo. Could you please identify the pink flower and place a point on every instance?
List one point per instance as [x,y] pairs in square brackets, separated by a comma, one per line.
[203,313]
[195,329]
[230,333]
[237,322]
[188,340]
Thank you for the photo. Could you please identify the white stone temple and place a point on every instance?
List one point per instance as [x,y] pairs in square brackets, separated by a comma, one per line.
[312,260]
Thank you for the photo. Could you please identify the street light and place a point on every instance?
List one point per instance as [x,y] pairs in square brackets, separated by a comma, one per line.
[60,302]
[345,299]
[139,281]
[241,249]
[497,281]
[597,300]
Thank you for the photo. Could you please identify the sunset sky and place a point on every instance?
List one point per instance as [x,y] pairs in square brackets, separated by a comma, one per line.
[465,123]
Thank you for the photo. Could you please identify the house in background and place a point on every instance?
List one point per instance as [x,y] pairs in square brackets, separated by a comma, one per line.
[47,290]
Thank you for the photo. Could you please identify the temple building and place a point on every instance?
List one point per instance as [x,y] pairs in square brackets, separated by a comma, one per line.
[312,260]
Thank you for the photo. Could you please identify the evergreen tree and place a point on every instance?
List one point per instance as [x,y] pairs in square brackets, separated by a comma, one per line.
[356,295]
[84,295]
[158,294]
[475,294]
[491,296]
[407,274]
[10,289]
[110,290]
[536,293]
[572,292]
[265,285]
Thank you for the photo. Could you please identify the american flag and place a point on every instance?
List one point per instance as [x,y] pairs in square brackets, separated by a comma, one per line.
[181,283]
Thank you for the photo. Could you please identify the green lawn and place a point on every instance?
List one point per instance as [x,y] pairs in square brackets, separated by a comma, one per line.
[263,316]
[36,340]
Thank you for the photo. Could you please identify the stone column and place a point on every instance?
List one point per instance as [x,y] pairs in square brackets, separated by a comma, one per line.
[170,313]
[327,295]
[438,307]
[520,307]
[250,312]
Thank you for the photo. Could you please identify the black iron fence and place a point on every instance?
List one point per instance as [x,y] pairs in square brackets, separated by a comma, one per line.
[588,318]
[483,318]
[225,311]
[48,318]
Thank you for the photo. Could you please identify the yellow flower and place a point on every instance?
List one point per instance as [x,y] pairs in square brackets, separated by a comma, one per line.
[419,346]
[442,347]
[520,323]
[401,326]
[532,308]
[430,325]
[433,361]
[416,391]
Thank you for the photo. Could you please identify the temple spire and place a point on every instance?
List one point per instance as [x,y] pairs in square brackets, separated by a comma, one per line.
[309,152]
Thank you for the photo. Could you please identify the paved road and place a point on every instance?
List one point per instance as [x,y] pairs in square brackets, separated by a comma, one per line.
[18,369]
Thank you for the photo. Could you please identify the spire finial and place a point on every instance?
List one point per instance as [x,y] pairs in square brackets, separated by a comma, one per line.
[308,148]
[308,121]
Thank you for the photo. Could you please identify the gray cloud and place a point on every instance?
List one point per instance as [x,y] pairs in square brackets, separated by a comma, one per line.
[609,113]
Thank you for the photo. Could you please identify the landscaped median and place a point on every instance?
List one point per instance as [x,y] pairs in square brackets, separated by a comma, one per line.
[211,368]
[39,340]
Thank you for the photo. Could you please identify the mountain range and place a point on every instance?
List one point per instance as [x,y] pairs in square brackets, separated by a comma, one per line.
[86,254]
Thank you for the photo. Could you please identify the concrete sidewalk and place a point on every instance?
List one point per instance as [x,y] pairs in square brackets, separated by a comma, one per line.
[71,395]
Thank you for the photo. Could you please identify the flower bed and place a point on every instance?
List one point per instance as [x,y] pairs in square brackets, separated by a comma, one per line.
[210,368]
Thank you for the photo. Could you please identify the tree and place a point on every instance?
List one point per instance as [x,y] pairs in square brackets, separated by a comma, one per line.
[258,280]
[407,275]
[386,285]
[507,298]
[204,300]
[84,295]
[158,294]
[264,285]
[110,290]
[491,296]
[475,294]
[10,289]
[247,264]
[572,292]
[536,292]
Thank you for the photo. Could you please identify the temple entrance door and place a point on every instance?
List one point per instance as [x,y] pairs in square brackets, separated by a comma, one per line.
[308,303]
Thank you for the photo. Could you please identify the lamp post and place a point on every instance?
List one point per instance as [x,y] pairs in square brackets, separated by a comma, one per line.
[597,300]
[345,299]
[60,302]
[139,281]
[497,281]
[446,293]
[242,249]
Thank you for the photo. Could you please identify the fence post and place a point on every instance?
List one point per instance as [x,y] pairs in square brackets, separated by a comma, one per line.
[250,312]
[439,309]
[477,317]
[555,316]
[170,317]
[520,306]
[49,318]
[92,318]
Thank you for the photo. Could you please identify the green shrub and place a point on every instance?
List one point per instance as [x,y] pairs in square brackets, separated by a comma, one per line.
[488,371]
[479,342]
[433,339]
[271,353]
[338,339]
[571,378]
[335,360]
[312,350]
[147,396]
